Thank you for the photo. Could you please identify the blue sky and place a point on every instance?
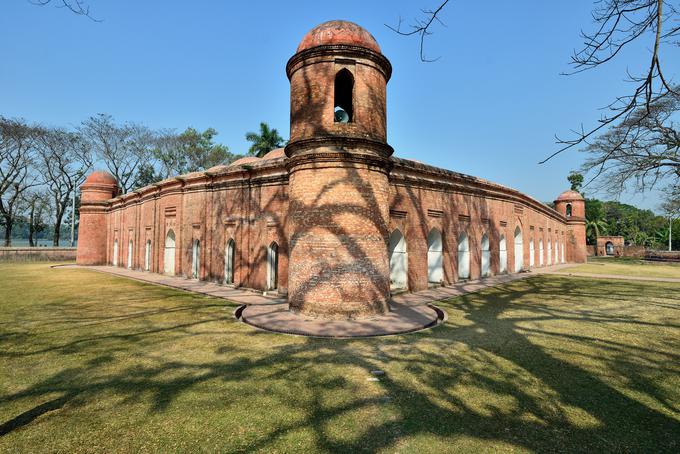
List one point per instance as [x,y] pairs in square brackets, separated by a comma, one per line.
[489,107]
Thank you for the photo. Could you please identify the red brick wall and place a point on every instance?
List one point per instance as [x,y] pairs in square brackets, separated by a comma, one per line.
[251,206]
[338,235]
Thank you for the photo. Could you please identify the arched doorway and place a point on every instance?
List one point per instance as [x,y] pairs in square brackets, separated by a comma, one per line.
[196,259]
[273,266]
[129,256]
[540,252]
[549,252]
[519,250]
[229,262]
[609,248]
[147,256]
[169,254]
[398,261]
[531,253]
[502,255]
[563,257]
[486,256]
[435,257]
[115,253]
[463,256]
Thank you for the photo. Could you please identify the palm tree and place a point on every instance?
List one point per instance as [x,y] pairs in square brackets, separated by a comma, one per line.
[264,142]
[595,228]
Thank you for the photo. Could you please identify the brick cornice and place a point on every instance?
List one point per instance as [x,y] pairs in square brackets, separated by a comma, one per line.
[340,50]
[339,143]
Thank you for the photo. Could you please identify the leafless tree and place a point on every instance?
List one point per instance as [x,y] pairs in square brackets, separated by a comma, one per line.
[121,147]
[78,7]
[644,148]
[618,23]
[64,159]
[17,141]
[38,210]
[421,27]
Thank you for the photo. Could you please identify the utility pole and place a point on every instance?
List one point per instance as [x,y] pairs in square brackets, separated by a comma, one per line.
[73,219]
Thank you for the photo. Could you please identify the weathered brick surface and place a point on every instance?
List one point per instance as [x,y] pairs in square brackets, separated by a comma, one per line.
[330,205]
[618,245]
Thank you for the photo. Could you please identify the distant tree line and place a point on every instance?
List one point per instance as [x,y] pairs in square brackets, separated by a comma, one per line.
[638,227]
[42,167]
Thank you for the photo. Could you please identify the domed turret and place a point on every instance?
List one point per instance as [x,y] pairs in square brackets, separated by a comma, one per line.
[338,79]
[99,185]
[338,32]
[97,189]
[338,162]
[572,206]
[101,177]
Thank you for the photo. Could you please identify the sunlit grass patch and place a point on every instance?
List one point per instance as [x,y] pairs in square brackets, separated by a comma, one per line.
[91,362]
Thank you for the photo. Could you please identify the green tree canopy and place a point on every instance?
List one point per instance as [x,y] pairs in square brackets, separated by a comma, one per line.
[576,180]
[264,142]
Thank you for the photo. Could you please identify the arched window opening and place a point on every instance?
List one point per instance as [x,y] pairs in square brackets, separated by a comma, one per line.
[568,210]
[129,257]
[549,253]
[463,256]
[519,250]
[147,256]
[273,266]
[486,256]
[609,248]
[531,253]
[540,252]
[398,261]
[502,255]
[344,88]
[229,262]
[115,253]
[435,257]
[562,255]
[169,254]
[196,259]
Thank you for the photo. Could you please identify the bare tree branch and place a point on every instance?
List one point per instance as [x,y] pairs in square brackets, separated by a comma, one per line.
[79,7]
[421,27]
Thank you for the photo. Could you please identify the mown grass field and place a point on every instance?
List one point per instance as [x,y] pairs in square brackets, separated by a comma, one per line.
[628,267]
[94,363]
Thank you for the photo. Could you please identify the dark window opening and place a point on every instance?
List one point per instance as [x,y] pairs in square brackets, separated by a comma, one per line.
[344,87]
[569,210]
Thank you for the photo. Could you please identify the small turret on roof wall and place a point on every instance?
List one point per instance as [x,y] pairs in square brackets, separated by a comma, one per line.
[97,189]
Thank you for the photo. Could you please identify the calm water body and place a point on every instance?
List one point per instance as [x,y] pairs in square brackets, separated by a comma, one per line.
[41,243]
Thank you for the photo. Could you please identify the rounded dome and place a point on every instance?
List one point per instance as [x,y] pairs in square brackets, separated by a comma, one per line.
[275,154]
[101,177]
[338,32]
[216,168]
[245,160]
[569,195]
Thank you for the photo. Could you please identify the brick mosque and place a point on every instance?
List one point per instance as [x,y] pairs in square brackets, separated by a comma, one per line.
[334,221]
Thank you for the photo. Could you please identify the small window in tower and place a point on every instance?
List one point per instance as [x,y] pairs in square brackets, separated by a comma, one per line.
[344,87]
[568,210]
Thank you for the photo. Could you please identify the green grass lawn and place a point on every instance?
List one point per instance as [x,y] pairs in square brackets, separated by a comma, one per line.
[91,362]
[627,267]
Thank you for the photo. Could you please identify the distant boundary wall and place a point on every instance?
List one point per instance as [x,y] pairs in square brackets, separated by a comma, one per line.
[37,254]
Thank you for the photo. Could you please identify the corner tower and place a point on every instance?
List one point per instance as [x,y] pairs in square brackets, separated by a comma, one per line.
[572,206]
[94,193]
[338,161]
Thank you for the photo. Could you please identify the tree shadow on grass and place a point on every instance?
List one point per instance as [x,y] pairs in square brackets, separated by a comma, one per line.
[494,373]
